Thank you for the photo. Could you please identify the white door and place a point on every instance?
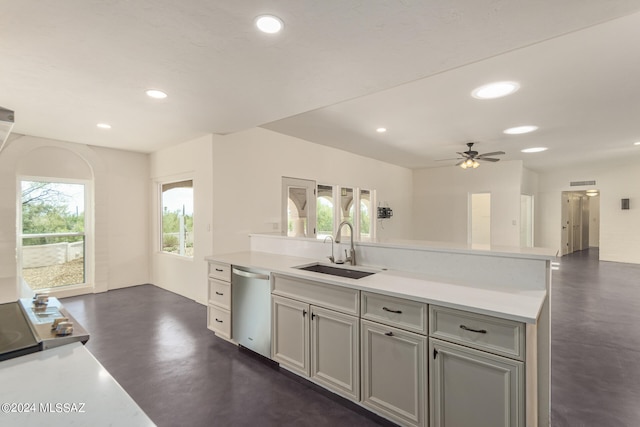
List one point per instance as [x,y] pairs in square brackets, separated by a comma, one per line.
[471,388]
[290,334]
[480,219]
[565,222]
[335,355]
[526,221]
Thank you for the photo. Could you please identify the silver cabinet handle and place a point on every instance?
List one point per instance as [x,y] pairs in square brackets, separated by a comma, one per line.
[480,331]
[250,275]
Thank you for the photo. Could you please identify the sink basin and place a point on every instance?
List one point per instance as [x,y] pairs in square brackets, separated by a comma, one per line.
[336,271]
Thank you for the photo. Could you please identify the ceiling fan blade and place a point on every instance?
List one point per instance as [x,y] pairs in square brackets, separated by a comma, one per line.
[487,159]
[446,160]
[494,153]
[460,162]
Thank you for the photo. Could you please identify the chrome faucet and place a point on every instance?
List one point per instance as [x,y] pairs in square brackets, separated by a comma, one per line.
[331,258]
[352,255]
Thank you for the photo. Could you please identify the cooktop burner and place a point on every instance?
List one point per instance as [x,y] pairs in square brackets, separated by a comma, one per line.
[26,328]
[16,336]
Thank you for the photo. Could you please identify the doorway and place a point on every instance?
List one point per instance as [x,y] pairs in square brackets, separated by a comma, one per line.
[580,215]
[526,220]
[480,219]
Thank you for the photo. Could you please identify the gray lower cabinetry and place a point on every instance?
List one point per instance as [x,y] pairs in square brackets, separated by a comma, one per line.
[318,343]
[472,388]
[219,299]
[290,334]
[394,377]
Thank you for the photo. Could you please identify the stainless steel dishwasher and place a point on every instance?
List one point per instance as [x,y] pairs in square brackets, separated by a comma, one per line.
[251,309]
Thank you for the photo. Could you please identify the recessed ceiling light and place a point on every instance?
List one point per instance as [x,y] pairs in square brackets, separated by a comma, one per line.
[269,24]
[104,125]
[381,130]
[636,143]
[534,150]
[156,94]
[518,130]
[495,90]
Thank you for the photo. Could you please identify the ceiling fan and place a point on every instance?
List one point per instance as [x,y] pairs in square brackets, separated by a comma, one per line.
[469,158]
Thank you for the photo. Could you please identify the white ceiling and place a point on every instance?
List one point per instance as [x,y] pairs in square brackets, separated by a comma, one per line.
[339,70]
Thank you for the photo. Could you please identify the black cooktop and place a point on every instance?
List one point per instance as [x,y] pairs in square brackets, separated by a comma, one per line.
[16,336]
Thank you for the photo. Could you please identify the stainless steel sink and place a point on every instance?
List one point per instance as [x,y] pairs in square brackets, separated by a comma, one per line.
[336,271]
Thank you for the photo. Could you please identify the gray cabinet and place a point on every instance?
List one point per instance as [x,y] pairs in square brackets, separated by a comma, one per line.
[394,379]
[335,351]
[472,388]
[290,334]
[317,343]
[219,299]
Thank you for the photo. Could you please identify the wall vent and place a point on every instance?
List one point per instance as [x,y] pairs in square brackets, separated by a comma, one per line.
[580,183]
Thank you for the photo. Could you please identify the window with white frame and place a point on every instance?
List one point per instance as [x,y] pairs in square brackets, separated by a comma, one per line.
[54,217]
[177,218]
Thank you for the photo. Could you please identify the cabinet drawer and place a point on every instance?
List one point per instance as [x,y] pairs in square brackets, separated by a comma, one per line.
[336,298]
[220,293]
[219,321]
[398,312]
[492,334]
[219,270]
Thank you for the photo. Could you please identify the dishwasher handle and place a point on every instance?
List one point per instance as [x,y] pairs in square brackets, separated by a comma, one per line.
[250,275]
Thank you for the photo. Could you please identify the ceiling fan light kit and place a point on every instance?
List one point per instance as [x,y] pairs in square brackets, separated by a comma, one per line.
[469,159]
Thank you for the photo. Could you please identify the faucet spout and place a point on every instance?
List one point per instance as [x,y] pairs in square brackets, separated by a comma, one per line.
[331,258]
[352,255]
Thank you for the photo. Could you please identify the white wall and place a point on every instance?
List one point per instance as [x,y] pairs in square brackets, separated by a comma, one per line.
[190,160]
[619,229]
[237,187]
[120,181]
[248,167]
[440,200]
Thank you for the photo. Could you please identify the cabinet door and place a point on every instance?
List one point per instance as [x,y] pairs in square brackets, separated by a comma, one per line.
[290,334]
[335,356]
[471,388]
[394,374]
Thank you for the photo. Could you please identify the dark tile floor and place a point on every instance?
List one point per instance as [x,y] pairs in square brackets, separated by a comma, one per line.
[156,345]
[595,343]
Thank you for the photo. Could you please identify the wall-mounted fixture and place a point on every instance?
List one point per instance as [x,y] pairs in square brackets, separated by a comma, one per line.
[625,204]
[384,212]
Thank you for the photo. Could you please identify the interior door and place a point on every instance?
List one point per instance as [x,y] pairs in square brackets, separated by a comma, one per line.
[576,223]
[565,222]
[526,221]
[480,219]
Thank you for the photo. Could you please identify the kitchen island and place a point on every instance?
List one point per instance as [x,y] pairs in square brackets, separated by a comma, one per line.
[474,320]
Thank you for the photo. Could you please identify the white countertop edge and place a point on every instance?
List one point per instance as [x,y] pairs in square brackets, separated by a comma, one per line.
[68,374]
[518,305]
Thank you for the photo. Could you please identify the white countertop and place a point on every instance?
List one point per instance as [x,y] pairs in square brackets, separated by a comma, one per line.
[64,386]
[513,304]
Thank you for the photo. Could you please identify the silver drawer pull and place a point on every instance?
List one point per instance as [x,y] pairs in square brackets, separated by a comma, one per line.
[219,321]
[389,334]
[392,311]
[480,331]
[219,293]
